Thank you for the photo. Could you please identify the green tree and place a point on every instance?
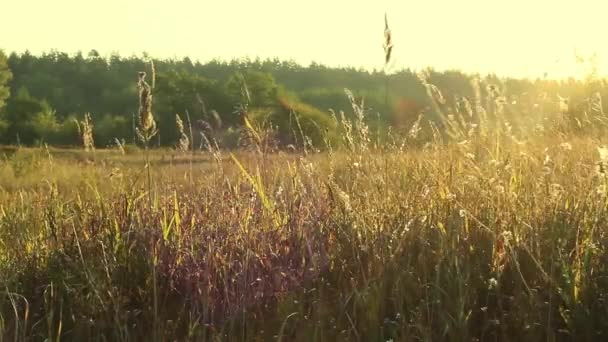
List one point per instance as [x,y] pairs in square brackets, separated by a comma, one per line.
[258,89]
[5,77]
[45,125]
[25,116]
[181,92]
[297,123]
[112,127]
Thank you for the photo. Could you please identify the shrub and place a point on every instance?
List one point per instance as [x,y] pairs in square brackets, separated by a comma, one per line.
[297,122]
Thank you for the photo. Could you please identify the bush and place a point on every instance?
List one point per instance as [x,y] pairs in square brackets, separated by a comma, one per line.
[45,126]
[67,133]
[110,128]
[296,121]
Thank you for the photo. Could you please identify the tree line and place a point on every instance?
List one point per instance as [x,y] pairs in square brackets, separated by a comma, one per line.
[43,97]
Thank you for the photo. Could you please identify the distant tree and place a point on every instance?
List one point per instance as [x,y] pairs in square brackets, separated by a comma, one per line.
[109,128]
[181,93]
[296,122]
[105,86]
[258,89]
[5,77]
[26,117]
[45,126]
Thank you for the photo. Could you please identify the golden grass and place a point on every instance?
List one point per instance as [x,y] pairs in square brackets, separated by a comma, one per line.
[464,241]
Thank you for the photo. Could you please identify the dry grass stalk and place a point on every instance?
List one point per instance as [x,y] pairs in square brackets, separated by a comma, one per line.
[147,125]
[120,144]
[183,143]
[388,42]
[85,130]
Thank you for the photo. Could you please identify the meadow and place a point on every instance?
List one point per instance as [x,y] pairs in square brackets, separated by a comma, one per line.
[491,237]
[485,221]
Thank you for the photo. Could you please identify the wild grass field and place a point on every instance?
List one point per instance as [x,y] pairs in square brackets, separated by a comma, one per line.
[487,224]
[490,238]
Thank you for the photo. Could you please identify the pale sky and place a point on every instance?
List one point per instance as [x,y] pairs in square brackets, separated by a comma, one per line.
[514,37]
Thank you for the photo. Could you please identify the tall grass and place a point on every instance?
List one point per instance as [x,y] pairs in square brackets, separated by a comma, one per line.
[478,226]
[487,238]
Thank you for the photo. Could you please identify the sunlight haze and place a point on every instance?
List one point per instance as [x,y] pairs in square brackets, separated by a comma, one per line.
[518,37]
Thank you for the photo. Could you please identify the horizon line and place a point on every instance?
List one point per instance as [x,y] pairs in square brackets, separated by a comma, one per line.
[247,58]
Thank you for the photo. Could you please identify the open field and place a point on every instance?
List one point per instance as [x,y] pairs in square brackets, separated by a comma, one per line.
[487,239]
[202,196]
